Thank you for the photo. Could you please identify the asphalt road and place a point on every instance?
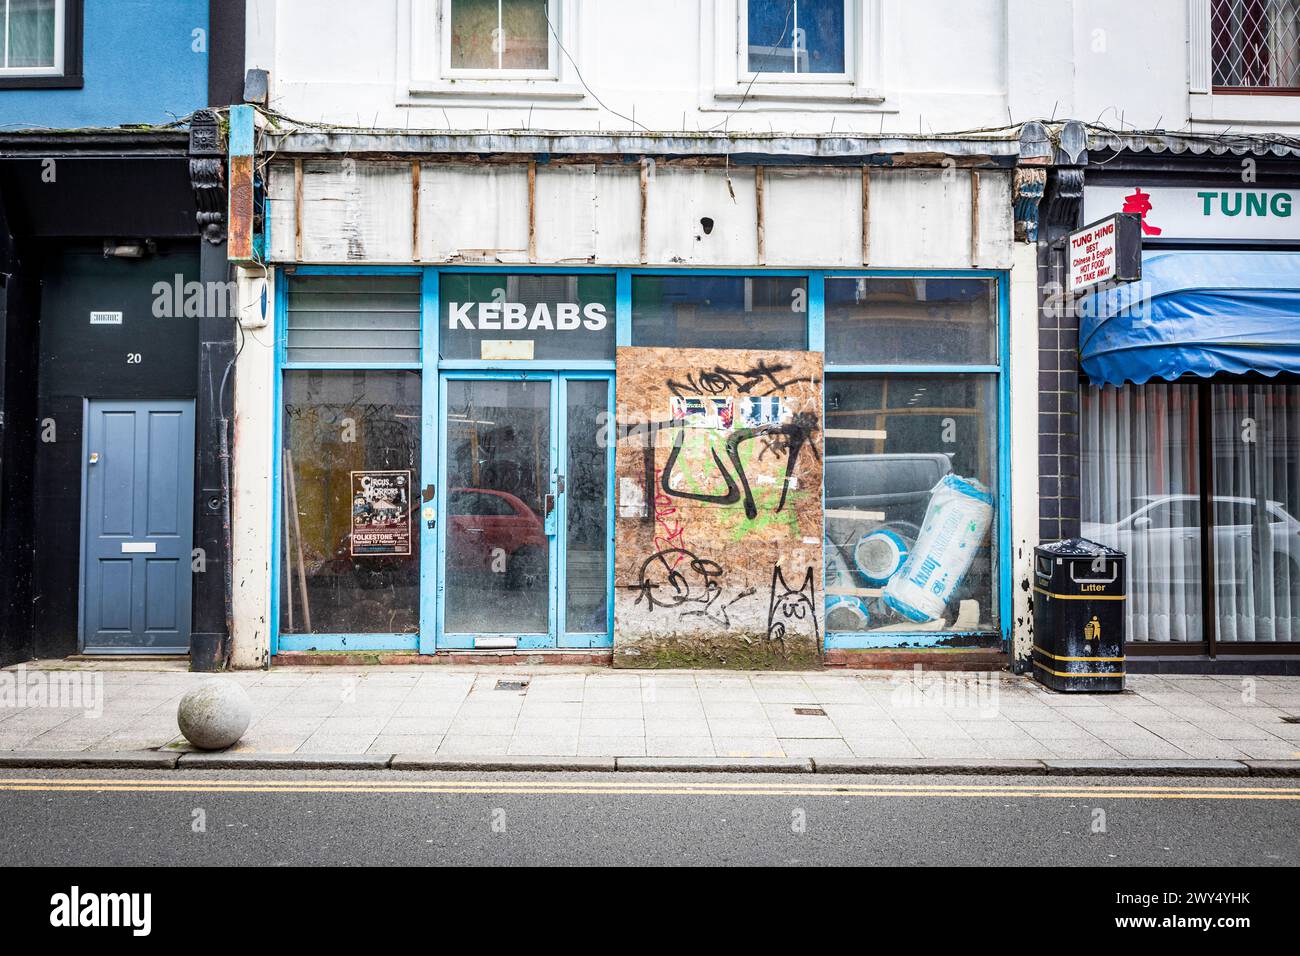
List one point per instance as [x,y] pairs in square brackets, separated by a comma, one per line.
[330,818]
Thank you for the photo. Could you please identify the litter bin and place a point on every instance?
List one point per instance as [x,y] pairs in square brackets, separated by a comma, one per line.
[1079,616]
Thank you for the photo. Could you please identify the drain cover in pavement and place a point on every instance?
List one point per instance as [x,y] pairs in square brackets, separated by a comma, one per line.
[512,685]
[810,712]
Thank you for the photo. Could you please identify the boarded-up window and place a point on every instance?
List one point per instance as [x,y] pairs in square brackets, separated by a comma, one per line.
[357,320]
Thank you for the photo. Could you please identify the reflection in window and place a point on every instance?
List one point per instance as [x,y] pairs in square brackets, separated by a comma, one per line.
[909,320]
[716,312]
[1140,493]
[499,35]
[911,466]
[497,560]
[350,543]
[586,502]
[1256,463]
[796,36]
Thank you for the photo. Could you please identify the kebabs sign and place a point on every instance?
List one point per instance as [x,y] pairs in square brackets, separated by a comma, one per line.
[1109,250]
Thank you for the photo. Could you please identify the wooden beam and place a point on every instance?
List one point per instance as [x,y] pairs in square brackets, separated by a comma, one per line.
[415,211]
[297,210]
[866,215]
[532,210]
[645,205]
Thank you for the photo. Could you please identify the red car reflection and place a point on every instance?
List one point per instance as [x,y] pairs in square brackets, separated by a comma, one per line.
[495,531]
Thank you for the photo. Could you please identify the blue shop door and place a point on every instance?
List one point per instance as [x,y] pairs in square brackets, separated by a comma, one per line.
[138,527]
[524,523]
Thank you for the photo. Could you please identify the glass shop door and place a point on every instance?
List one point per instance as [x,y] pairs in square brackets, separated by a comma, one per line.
[524,528]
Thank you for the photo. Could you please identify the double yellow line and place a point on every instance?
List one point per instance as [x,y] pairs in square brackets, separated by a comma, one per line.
[547,787]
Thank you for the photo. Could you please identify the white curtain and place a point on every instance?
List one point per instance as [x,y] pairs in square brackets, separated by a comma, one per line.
[1139,493]
[1257,498]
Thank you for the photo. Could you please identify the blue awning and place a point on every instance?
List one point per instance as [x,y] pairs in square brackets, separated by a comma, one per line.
[1195,313]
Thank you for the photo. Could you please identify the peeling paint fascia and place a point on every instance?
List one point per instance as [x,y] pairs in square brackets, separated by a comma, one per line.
[856,149]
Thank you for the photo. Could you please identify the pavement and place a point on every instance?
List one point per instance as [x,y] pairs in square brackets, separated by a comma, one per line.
[594,718]
[333,818]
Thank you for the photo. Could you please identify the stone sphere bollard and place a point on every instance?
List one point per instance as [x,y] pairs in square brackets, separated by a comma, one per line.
[215,714]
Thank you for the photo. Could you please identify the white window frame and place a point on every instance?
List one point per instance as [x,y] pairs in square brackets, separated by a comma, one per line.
[60,17]
[864,84]
[1208,109]
[554,13]
[425,75]
[743,49]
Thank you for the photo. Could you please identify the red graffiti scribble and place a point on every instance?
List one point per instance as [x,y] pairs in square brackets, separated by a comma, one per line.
[667,520]
[1140,203]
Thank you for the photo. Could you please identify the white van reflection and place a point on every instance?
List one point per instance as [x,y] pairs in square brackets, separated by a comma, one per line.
[895,485]
[1162,536]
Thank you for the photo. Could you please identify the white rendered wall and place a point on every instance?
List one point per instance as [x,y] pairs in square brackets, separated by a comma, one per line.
[1024,440]
[939,65]
[254,454]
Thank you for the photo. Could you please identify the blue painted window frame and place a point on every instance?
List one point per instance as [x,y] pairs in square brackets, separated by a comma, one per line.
[432,366]
[860,640]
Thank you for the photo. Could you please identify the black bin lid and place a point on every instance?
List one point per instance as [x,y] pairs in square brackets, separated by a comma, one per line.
[1079,548]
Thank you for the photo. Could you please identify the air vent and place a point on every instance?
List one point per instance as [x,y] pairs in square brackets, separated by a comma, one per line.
[354,320]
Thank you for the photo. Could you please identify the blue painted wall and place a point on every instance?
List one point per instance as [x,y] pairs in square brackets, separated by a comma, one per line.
[139,66]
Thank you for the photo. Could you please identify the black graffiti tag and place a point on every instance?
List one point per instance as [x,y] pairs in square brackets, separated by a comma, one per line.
[719,380]
[794,435]
[790,605]
[675,577]
[665,582]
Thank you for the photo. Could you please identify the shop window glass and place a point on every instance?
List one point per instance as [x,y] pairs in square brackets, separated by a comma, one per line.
[915,321]
[1256,462]
[499,35]
[520,317]
[910,497]
[720,312]
[353,319]
[350,499]
[1140,493]
[1141,459]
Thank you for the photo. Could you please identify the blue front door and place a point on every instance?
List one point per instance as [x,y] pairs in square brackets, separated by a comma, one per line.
[524,530]
[138,527]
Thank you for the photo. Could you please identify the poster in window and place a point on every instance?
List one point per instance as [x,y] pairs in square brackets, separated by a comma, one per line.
[381,513]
